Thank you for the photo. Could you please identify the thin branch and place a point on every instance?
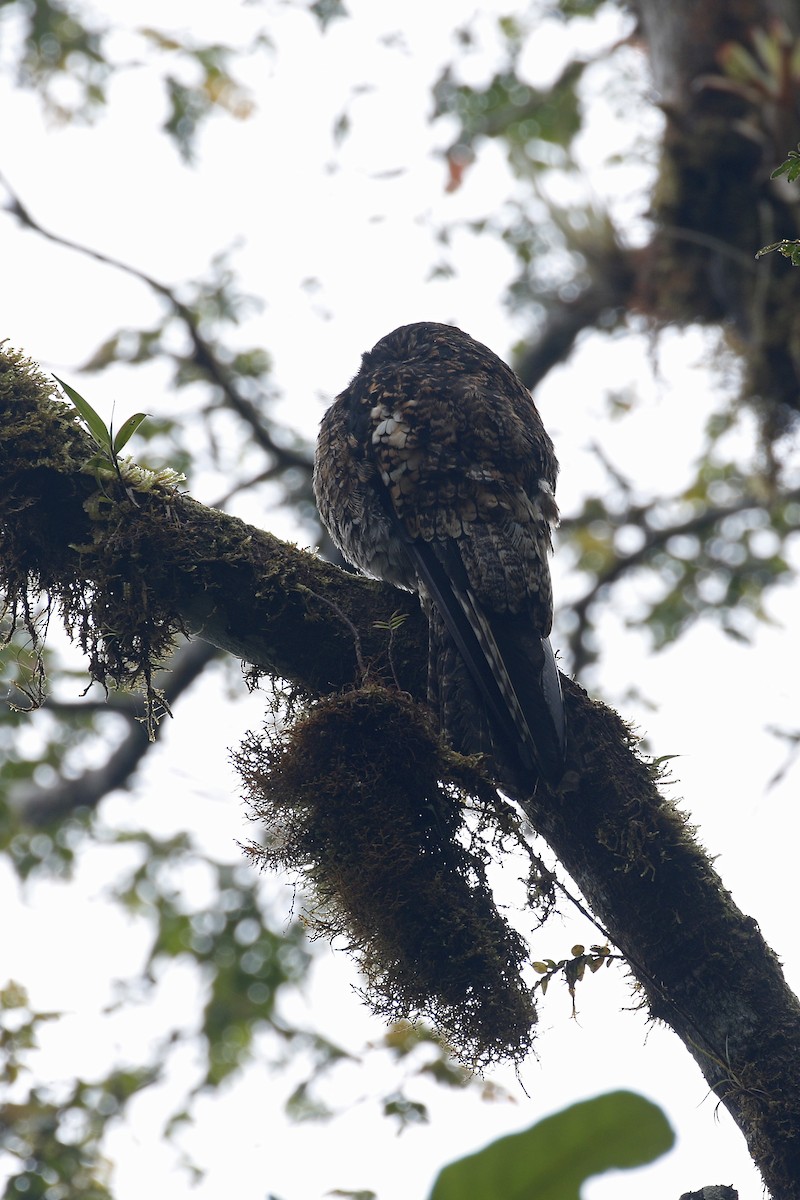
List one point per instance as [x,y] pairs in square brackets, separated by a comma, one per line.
[609,291]
[204,355]
[87,790]
[43,806]
[707,240]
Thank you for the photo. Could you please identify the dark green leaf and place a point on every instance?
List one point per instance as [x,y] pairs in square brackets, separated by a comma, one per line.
[95,422]
[127,431]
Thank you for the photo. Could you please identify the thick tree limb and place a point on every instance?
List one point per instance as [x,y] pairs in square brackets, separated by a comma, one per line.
[604,299]
[702,965]
[280,609]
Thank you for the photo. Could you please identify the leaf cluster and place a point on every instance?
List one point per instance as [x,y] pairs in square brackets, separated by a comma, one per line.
[66,56]
[51,1136]
[574,968]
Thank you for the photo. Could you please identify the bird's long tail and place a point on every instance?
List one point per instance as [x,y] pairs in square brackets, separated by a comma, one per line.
[510,692]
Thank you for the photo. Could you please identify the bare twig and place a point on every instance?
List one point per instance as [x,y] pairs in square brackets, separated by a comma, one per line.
[43,806]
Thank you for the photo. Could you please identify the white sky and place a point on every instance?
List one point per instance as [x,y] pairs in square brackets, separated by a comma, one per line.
[303,210]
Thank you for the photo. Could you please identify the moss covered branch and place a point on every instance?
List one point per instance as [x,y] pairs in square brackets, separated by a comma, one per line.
[129,566]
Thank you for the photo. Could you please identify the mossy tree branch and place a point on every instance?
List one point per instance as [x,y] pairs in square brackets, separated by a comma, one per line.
[129,567]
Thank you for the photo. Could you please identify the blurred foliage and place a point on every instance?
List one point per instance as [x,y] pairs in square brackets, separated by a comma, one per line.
[58,42]
[53,1134]
[712,551]
[243,963]
[191,333]
[327,11]
[214,88]
[555,1157]
[66,55]
[509,109]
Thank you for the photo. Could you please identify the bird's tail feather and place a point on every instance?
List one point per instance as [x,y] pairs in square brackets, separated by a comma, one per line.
[510,665]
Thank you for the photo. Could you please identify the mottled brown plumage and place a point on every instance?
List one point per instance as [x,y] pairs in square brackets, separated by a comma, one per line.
[434,472]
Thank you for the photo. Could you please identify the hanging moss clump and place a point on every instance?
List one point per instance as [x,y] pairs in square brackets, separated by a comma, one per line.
[364,806]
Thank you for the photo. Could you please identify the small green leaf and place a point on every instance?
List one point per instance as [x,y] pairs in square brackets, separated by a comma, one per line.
[772,246]
[127,431]
[790,167]
[95,422]
[551,1160]
[788,248]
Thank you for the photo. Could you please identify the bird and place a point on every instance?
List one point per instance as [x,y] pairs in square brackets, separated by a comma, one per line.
[433,472]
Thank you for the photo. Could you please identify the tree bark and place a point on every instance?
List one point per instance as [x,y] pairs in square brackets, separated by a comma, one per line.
[714,204]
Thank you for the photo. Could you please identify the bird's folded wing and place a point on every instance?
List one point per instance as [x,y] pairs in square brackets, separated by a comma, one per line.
[522,691]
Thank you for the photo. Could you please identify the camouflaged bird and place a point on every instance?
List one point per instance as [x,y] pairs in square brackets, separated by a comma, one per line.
[433,472]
